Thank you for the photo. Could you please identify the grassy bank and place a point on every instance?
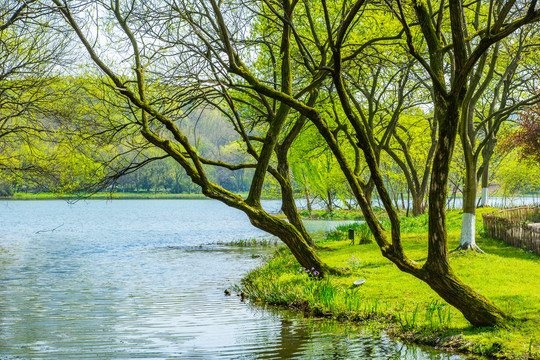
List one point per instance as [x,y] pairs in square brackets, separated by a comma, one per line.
[406,307]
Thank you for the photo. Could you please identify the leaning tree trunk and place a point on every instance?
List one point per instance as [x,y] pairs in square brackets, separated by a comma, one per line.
[304,254]
[437,272]
[286,232]
[478,310]
[288,206]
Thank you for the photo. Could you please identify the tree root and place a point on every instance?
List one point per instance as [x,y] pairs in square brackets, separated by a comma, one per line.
[471,247]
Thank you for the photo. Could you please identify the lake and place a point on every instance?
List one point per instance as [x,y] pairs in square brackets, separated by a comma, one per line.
[144,279]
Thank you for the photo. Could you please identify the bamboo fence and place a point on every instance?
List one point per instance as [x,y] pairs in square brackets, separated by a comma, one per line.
[515,227]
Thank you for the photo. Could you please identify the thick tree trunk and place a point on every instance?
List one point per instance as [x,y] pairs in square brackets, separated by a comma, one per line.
[286,232]
[417,204]
[468,224]
[304,254]
[437,272]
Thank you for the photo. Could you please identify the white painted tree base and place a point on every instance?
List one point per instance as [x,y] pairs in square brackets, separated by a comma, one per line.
[468,232]
[485,197]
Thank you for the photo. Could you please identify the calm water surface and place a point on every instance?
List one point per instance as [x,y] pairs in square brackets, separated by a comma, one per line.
[128,279]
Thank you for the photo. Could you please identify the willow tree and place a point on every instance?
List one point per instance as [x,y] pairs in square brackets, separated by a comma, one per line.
[412,150]
[206,52]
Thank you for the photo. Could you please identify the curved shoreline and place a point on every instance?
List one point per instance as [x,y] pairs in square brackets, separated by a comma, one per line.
[402,306]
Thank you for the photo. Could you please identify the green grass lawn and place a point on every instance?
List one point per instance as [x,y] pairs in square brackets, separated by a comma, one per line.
[405,306]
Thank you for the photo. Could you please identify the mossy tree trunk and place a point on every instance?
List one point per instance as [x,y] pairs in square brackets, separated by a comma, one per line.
[478,310]
[437,272]
[288,204]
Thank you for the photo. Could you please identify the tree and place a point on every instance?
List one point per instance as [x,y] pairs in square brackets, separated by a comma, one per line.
[209,46]
[413,152]
[525,136]
[387,91]
[315,169]
[157,122]
[26,59]
[449,95]
[479,127]
[34,144]
[518,176]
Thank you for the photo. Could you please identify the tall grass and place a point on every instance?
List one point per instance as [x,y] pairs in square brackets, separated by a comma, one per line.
[438,315]
[361,230]
[279,284]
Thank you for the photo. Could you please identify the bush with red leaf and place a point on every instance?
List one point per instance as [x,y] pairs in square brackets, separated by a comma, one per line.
[525,138]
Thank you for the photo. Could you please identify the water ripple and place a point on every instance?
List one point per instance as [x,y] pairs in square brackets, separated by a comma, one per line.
[131,280]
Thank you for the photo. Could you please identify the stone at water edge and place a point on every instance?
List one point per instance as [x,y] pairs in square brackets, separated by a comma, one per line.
[359,282]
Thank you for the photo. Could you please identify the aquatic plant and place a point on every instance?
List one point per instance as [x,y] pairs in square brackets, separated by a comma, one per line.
[253,242]
[438,314]
[407,321]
